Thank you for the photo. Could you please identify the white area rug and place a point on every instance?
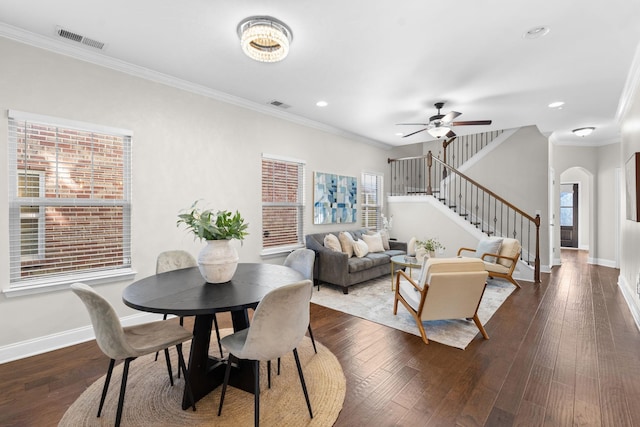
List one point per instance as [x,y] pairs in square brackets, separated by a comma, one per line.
[373,300]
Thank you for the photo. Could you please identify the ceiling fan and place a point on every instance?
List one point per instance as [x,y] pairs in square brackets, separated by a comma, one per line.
[440,124]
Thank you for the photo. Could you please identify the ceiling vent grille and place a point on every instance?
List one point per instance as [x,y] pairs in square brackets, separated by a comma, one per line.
[279,104]
[78,38]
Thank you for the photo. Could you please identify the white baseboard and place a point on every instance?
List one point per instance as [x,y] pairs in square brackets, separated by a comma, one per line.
[602,262]
[52,342]
[631,300]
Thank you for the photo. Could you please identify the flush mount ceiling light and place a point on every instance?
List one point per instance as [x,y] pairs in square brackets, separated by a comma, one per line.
[536,32]
[264,38]
[583,131]
[557,104]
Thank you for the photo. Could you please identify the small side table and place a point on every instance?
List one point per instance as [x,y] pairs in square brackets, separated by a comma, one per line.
[403,261]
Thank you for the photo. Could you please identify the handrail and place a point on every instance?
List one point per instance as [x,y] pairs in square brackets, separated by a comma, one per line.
[421,172]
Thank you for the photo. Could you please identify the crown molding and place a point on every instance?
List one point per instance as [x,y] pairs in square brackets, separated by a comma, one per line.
[84,54]
[630,88]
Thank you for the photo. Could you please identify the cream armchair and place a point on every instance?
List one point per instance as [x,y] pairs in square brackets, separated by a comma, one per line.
[499,263]
[448,288]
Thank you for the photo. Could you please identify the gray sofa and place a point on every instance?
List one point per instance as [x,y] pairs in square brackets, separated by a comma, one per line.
[338,269]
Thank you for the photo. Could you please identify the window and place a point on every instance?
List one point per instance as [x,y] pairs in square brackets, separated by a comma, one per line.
[282,204]
[69,200]
[372,200]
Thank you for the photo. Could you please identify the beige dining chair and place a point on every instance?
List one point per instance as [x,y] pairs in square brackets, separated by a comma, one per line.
[129,343]
[277,328]
[177,260]
[302,260]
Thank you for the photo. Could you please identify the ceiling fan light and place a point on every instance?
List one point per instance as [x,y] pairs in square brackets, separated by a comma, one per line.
[264,38]
[438,131]
[586,131]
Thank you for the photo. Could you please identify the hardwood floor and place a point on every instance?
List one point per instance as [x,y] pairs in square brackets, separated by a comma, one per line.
[563,352]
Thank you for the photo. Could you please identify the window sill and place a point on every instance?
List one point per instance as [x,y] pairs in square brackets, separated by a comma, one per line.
[273,252]
[38,286]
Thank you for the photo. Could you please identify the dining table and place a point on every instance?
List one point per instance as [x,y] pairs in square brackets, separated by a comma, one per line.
[184,292]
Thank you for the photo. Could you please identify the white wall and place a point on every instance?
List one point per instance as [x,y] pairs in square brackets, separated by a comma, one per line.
[185,147]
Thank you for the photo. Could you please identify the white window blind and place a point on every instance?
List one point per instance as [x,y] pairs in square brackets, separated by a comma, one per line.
[282,204]
[69,198]
[371,200]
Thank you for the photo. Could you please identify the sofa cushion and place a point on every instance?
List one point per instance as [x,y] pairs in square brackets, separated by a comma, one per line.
[488,246]
[385,239]
[360,248]
[332,242]
[374,242]
[378,258]
[359,264]
[346,242]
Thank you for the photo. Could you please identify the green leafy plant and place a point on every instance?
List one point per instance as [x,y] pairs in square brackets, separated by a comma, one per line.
[209,225]
[430,245]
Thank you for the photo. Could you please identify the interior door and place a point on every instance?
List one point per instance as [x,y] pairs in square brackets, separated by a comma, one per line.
[569,215]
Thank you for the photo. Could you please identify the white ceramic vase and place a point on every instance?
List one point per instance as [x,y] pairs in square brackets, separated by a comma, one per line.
[218,261]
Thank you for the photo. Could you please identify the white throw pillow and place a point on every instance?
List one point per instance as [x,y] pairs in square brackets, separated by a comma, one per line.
[488,246]
[346,242]
[411,247]
[360,248]
[374,242]
[332,242]
[385,239]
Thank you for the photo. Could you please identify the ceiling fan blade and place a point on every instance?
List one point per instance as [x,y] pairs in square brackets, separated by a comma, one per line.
[412,124]
[450,134]
[450,116]
[413,133]
[471,122]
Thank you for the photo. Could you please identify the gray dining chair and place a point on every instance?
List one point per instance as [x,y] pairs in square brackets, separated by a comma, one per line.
[303,260]
[177,260]
[129,343]
[277,328]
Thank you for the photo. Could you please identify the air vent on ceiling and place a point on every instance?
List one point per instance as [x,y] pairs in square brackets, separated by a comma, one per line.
[69,35]
[279,104]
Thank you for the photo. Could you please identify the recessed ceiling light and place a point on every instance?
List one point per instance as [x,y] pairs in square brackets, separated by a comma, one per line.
[556,104]
[583,131]
[399,134]
[536,32]
[322,103]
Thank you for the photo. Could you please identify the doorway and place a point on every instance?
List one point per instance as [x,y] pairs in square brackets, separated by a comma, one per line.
[569,215]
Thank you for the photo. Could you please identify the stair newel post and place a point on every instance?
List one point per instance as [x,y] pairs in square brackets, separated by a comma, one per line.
[429,165]
[536,270]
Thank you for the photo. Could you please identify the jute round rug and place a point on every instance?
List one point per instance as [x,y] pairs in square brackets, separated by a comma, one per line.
[151,401]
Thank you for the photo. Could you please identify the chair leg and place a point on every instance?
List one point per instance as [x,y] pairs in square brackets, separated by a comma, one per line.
[215,322]
[269,373]
[107,380]
[313,341]
[256,393]
[168,359]
[163,318]
[304,385]
[476,319]
[278,366]
[123,387]
[225,383]
[182,366]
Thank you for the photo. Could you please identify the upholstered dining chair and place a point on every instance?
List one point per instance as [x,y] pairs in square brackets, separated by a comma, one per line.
[177,260]
[129,343]
[277,328]
[448,288]
[302,260]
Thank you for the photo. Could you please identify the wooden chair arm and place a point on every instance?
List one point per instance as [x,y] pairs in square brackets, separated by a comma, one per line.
[465,249]
[512,259]
[414,284]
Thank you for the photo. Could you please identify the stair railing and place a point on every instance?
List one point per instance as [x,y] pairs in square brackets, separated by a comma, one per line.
[492,214]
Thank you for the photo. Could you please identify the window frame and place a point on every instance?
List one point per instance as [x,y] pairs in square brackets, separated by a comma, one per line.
[379,206]
[40,215]
[300,205]
[60,280]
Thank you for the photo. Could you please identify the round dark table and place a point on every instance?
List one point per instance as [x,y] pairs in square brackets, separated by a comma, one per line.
[185,293]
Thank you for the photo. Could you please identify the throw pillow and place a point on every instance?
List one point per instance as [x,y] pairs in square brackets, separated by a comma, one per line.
[360,248]
[385,239]
[332,242]
[346,242]
[374,242]
[488,246]
[411,247]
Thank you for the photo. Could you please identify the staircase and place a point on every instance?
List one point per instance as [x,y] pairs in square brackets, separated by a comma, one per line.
[484,209]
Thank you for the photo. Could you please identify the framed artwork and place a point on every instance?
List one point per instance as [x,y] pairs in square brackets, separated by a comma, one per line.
[632,181]
[335,198]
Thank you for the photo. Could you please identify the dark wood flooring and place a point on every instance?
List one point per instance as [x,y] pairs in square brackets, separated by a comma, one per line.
[565,352]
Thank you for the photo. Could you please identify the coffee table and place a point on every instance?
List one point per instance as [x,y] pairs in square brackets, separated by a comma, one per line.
[410,262]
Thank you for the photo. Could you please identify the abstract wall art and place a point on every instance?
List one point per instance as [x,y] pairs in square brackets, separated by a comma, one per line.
[335,198]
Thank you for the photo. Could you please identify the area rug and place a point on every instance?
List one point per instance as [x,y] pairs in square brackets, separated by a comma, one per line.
[373,300]
[151,401]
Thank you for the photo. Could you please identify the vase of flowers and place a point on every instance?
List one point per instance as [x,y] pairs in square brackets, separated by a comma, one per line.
[218,260]
[429,247]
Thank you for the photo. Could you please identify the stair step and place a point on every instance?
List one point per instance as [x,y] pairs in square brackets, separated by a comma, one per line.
[464,214]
